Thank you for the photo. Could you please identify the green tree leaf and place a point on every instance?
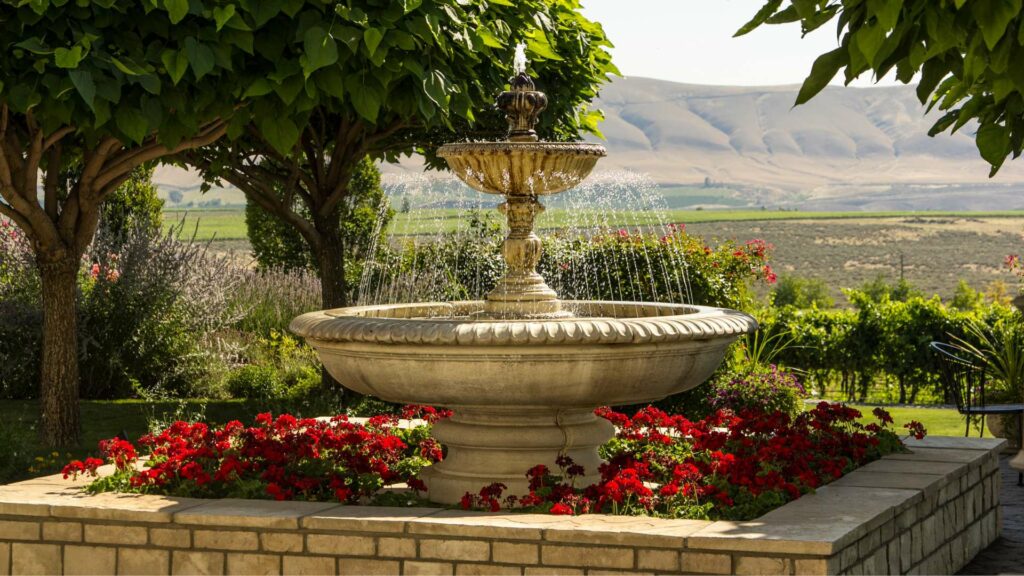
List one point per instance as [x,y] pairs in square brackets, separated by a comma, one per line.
[435,85]
[279,130]
[994,144]
[132,122]
[84,84]
[993,16]
[176,64]
[176,9]
[68,57]
[320,50]
[372,37]
[200,57]
[822,71]
[366,101]
[223,14]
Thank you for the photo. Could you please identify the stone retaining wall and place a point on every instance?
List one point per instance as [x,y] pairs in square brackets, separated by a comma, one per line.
[926,512]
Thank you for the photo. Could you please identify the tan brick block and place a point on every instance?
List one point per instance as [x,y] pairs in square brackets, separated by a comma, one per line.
[225,540]
[356,566]
[396,547]
[35,559]
[760,565]
[812,566]
[170,537]
[143,561]
[536,571]
[17,530]
[260,564]
[662,560]
[474,550]
[5,558]
[107,534]
[62,532]
[189,562]
[705,563]
[515,553]
[89,560]
[605,557]
[340,545]
[485,569]
[281,542]
[412,568]
[308,565]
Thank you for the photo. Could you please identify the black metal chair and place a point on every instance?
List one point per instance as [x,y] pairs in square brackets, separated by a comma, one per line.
[964,379]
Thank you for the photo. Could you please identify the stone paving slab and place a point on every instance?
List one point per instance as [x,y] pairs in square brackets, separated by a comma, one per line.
[250,513]
[926,454]
[819,523]
[946,470]
[956,442]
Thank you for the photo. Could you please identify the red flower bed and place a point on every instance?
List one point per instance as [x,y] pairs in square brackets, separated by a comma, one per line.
[732,466]
[282,458]
[735,466]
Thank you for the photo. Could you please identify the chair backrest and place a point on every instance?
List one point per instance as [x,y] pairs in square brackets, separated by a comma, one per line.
[962,377]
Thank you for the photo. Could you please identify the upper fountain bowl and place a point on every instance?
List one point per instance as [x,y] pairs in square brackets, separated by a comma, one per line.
[522,168]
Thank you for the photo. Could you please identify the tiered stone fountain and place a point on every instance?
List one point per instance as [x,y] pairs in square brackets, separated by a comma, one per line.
[522,370]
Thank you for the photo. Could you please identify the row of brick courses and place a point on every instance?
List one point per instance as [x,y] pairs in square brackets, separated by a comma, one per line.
[933,519]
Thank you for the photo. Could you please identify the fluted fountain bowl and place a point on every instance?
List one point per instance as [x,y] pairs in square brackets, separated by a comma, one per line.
[522,391]
[522,168]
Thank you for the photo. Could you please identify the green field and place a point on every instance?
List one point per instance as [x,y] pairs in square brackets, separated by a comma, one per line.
[225,224]
[229,224]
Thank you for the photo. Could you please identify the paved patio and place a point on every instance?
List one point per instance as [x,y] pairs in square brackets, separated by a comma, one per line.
[1006,555]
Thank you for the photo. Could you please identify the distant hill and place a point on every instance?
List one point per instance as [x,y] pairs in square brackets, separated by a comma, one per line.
[848,149]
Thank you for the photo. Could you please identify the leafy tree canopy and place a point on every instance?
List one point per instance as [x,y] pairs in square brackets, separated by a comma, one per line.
[966,51]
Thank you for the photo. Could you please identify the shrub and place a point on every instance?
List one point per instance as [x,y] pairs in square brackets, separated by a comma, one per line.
[675,267]
[278,245]
[801,293]
[772,390]
[256,382]
[269,299]
[150,306]
[133,206]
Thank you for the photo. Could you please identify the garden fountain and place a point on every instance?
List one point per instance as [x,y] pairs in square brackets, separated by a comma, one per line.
[521,370]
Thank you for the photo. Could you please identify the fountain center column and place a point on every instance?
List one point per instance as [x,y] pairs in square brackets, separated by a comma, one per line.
[522,292]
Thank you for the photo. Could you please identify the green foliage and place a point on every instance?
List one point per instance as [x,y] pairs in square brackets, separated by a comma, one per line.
[133,206]
[255,382]
[966,298]
[962,54]
[277,244]
[881,344]
[999,347]
[646,268]
[801,292]
[769,389]
[880,289]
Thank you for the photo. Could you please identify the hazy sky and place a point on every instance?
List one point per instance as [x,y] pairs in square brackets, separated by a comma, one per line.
[691,41]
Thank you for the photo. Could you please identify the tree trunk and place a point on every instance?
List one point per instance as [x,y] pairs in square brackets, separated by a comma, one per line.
[331,259]
[334,287]
[59,386]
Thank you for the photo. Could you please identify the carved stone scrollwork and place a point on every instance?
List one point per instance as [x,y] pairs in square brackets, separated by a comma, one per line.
[522,293]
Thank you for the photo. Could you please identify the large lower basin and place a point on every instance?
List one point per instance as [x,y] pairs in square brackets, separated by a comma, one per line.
[522,391]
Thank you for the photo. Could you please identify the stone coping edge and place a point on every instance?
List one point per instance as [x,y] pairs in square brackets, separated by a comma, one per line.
[819,524]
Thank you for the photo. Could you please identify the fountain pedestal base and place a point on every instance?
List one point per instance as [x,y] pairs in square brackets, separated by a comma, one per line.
[487,445]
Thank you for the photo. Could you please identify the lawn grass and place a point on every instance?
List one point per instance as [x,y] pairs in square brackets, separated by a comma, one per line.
[937,421]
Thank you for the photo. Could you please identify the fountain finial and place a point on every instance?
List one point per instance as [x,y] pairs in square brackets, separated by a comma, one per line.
[522,103]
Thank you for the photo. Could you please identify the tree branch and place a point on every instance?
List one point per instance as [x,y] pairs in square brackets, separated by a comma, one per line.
[129,160]
[50,195]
